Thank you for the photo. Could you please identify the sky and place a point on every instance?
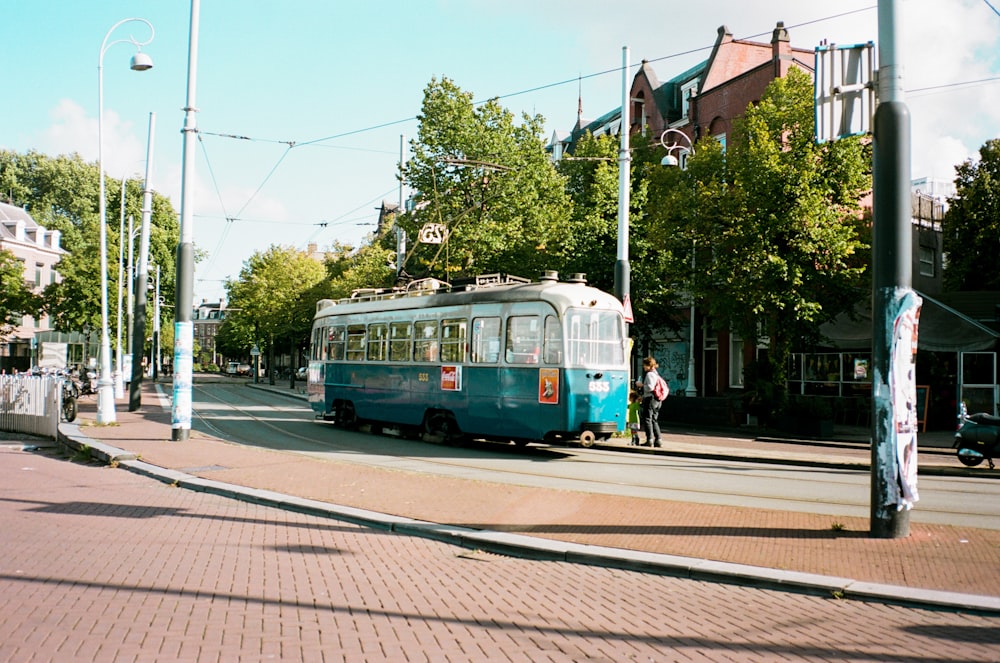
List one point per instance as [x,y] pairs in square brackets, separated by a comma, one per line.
[302,105]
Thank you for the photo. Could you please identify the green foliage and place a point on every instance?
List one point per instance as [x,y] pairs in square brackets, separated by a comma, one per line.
[590,245]
[489,181]
[774,223]
[268,301]
[786,260]
[972,223]
[16,296]
[61,193]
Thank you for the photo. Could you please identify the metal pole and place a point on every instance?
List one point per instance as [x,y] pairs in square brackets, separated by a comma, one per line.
[691,389]
[119,388]
[622,271]
[130,297]
[139,326]
[156,328]
[183,326]
[891,271]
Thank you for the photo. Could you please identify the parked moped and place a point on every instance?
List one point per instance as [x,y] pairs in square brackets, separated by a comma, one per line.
[977,438]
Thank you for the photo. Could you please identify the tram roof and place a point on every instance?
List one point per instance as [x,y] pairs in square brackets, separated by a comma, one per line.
[558,293]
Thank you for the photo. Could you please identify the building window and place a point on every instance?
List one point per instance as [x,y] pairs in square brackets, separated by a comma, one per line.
[736,362]
[927,260]
[687,91]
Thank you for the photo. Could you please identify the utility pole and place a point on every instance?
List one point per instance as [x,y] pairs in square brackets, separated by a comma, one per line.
[894,304]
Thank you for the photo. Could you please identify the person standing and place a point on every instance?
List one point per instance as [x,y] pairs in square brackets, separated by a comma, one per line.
[650,404]
[634,414]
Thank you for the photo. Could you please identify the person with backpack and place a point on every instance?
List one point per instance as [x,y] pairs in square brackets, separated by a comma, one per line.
[654,392]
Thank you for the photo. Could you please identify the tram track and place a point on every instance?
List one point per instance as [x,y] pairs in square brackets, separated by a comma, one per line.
[605,471]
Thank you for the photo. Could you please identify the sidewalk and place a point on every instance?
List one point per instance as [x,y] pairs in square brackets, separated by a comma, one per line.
[955,567]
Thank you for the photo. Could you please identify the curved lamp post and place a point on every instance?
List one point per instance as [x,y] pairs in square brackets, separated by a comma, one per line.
[682,145]
[140,62]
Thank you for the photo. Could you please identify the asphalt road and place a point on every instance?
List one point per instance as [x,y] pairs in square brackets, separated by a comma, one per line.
[231,411]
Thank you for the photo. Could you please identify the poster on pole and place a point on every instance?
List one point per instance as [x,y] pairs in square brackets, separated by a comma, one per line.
[183,375]
[903,387]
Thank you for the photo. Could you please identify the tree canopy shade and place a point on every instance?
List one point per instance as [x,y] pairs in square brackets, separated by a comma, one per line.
[488,181]
[971,225]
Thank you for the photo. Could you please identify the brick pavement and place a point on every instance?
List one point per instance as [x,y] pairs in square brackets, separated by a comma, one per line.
[934,557]
[97,564]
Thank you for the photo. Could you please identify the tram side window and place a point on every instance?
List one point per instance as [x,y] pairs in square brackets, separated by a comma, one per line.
[524,337]
[425,344]
[378,341]
[335,341]
[355,342]
[485,340]
[552,350]
[399,341]
[317,346]
[453,334]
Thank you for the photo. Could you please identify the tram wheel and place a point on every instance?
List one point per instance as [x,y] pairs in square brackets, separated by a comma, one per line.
[441,427]
[587,438]
[346,416]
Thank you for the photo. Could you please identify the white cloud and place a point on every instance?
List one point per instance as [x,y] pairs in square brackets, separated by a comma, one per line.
[72,131]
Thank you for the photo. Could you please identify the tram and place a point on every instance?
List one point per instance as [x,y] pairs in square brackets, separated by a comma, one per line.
[497,357]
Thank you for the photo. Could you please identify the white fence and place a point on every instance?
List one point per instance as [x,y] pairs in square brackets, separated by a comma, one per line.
[30,404]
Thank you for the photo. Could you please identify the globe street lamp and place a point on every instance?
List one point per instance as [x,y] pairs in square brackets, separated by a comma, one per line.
[681,144]
[140,62]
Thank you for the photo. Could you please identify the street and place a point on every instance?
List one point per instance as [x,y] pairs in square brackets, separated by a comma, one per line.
[231,411]
[99,564]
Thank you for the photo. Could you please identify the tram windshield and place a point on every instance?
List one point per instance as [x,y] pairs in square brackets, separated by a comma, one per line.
[594,338]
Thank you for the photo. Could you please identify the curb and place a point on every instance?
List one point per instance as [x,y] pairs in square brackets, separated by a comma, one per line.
[519,545]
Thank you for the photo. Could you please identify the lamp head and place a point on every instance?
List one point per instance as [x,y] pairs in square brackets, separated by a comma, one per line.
[669,160]
[141,62]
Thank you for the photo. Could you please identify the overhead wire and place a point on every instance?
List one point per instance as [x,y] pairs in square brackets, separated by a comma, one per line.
[318,142]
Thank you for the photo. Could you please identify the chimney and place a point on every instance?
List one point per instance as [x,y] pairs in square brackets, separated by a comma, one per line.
[781,50]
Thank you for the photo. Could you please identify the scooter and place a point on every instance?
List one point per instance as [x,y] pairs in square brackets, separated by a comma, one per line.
[70,392]
[977,438]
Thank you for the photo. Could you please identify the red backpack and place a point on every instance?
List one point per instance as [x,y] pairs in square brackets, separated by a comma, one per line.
[660,389]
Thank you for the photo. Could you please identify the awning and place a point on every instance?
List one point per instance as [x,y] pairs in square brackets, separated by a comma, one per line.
[942,329]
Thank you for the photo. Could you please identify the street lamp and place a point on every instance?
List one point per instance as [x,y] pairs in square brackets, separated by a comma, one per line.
[681,144]
[140,62]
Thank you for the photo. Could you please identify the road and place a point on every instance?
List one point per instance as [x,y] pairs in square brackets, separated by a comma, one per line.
[231,411]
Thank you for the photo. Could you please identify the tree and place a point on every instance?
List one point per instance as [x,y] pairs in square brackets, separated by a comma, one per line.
[488,181]
[61,193]
[971,225]
[776,222]
[267,298]
[16,297]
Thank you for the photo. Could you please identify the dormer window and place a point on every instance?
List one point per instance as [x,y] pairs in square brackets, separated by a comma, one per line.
[687,91]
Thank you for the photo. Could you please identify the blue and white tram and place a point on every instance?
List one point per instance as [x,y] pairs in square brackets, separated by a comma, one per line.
[500,358]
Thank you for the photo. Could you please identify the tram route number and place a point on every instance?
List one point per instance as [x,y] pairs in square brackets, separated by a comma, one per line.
[599,387]
[423,377]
